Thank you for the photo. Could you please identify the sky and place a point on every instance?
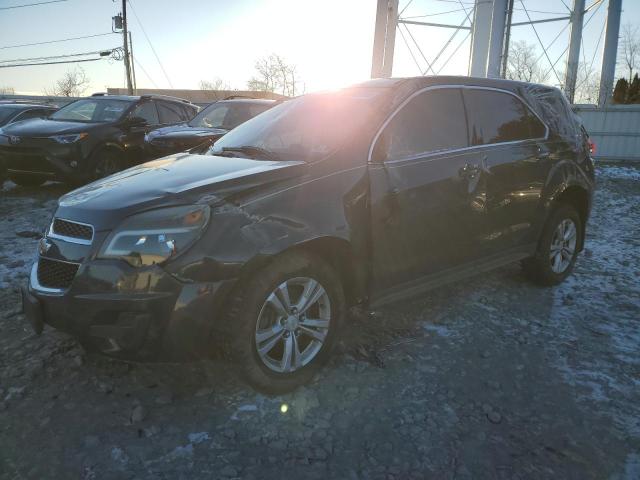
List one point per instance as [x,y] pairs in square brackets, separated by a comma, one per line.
[329,41]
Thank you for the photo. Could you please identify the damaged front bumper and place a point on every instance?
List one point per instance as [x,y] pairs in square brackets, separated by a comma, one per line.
[130,312]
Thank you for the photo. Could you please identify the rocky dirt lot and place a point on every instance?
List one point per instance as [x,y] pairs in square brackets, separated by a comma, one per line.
[490,378]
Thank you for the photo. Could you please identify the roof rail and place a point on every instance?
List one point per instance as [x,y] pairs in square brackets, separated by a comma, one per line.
[99,94]
[231,97]
[166,97]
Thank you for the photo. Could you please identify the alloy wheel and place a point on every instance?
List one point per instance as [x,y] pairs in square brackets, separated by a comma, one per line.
[293,324]
[563,245]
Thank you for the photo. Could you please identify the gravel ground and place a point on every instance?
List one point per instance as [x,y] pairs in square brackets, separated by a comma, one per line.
[489,378]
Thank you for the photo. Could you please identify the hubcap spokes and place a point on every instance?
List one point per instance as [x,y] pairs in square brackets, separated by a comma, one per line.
[563,246]
[293,324]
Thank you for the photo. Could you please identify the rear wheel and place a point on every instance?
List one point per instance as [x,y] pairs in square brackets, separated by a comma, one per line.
[558,247]
[25,180]
[284,322]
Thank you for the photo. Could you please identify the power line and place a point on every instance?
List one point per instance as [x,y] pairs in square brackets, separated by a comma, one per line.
[59,56]
[57,41]
[51,63]
[150,44]
[31,4]
[144,71]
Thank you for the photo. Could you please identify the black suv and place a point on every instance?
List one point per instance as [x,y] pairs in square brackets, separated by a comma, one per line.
[325,202]
[208,126]
[87,139]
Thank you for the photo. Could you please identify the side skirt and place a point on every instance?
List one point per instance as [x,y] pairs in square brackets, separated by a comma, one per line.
[428,282]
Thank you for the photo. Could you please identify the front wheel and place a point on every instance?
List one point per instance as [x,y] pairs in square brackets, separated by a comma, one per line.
[106,162]
[284,322]
[558,247]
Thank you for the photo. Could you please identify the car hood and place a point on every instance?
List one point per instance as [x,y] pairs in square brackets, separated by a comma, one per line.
[42,127]
[176,179]
[184,131]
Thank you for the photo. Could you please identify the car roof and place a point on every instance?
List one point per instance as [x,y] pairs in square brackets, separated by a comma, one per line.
[25,106]
[426,81]
[135,98]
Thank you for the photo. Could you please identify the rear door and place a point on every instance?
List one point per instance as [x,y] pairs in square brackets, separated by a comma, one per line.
[423,193]
[509,145]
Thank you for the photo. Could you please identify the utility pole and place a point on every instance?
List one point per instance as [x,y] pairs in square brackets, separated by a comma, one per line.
[573,59]
[125,42]
[133,68]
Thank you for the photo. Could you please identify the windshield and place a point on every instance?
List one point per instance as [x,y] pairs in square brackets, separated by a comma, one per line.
[307,128]
[227,115]
[93,110]
[7,112]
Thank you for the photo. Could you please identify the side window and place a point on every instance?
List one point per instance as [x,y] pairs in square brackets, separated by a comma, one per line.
[188,112]
[147,110]
[170,112]
[216,116]
[430,122]
[496,117]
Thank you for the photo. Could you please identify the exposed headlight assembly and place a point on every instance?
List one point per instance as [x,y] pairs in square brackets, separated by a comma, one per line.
[72,138]
[156,236]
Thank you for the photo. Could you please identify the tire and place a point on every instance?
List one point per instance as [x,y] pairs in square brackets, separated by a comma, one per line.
[545,268]
[105,162]
[255,319]
[25,180]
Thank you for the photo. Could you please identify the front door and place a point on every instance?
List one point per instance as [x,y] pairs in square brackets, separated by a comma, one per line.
[134,135]
[426,191]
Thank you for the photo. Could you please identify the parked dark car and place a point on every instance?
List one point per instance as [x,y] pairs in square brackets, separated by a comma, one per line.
[324,203]
[209,125]
[11,112]
[87,139]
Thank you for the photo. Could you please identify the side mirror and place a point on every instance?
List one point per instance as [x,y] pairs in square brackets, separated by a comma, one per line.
[136,122]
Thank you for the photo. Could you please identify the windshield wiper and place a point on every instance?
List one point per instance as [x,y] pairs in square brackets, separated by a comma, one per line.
[252,151]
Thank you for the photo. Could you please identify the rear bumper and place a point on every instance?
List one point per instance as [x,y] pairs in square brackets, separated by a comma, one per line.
[132,314]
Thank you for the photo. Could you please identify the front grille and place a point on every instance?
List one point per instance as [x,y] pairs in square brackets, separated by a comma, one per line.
[56,274]
[69,229]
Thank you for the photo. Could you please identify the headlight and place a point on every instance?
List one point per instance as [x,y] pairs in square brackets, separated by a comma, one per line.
[157,235]
[72,138]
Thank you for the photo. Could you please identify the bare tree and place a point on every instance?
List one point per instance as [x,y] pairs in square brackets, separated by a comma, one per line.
[523,64]
[7,91]
[216,83]
[73,84]
[274,74]
[630,48]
